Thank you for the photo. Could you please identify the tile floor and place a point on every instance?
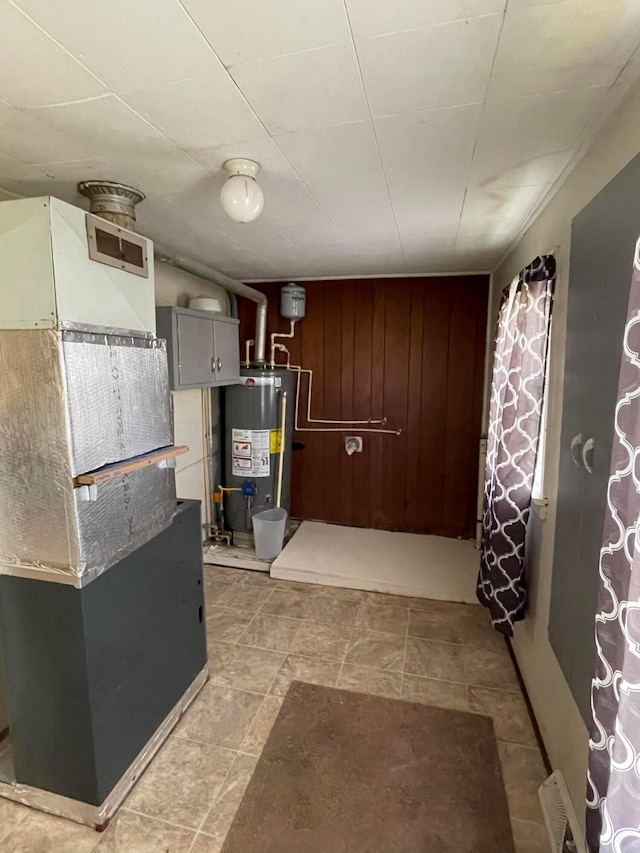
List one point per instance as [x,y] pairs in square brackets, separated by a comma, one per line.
[263,633]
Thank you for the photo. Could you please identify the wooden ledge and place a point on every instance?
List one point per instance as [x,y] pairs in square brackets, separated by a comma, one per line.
[117,469]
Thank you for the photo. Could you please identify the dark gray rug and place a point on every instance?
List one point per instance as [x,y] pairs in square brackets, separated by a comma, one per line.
[347,772]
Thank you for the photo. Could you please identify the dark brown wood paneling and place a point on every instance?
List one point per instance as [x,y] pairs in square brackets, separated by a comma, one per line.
[411,350]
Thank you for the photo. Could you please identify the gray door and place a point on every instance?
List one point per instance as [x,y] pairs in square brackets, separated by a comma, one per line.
[602,248]
[227,350]
[196,360]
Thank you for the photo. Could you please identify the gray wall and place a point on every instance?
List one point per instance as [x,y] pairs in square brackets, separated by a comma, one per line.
[561,724]
[175,287]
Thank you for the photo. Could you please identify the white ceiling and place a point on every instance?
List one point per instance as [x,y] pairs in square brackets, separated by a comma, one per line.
[411,136]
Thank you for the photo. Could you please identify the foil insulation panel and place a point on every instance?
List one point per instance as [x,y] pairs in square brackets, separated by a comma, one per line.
[46,530]
[118,401]
[128,512]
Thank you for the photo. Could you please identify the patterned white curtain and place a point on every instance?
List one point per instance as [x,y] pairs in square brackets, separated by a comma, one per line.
[517,391]
[613,796]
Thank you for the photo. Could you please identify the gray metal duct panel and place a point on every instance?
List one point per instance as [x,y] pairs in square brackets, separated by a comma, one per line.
[117,391]
[36,491]
[46,530]
[128,512]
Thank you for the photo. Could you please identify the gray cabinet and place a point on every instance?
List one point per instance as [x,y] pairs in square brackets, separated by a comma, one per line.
[602,248]
[203,350]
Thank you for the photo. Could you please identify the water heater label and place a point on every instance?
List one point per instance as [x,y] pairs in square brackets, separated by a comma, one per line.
[263,381]
[251,456]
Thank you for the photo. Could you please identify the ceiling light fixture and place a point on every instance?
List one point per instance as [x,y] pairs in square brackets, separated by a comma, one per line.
[241,196]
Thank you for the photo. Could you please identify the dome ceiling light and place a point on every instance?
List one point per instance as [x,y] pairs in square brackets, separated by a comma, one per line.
[241,196]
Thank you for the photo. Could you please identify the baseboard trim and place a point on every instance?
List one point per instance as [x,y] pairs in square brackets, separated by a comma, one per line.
[532,716]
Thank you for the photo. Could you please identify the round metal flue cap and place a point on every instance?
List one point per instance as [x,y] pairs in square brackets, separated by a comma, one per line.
[112,201]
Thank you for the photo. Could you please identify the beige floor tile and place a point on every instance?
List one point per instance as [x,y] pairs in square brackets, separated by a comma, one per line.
[434,659]
[364,680]
[133,832]
[330,608]
[223,573]
[523,772]
[10,816]
[344,594]
[213,588]
[182,782]
[451,608]
[321,641]
[436,625]
[263,579]
[389,600]
[530,837]
[43,833]
[284,603]
[435,691]
[226,625]
[299,586]
[314,671]
[217,651]
[270,632]
[219,716]
[510,716]
[260,729]
[246,668]
[490,668]
[206,844]
[381,617]
[479,631]
[223,811]
[244,596]
[373,649]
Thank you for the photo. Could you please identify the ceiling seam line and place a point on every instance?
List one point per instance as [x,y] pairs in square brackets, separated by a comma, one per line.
[262,124]
[58,44]
[222,234]
[482,112]
[310,191]
[375,135]
[431,26]
[225,69]
[579,151]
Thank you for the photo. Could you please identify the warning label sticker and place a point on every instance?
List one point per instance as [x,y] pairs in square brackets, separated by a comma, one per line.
[251,453]
[276,440]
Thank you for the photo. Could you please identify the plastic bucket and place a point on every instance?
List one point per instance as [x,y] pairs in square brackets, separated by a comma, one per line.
[268,532]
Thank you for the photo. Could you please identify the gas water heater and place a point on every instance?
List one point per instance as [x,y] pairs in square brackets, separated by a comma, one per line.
[254,430]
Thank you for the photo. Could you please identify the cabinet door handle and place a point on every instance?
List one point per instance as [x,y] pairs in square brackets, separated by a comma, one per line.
[588,447]
[213,364]
[576,443]
[219,363]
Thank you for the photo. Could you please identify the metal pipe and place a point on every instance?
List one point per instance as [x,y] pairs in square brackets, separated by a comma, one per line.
[291,334]
[283,418]
[282,348]
[168,256]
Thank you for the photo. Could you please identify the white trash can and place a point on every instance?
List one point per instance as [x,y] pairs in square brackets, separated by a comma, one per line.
[268,532]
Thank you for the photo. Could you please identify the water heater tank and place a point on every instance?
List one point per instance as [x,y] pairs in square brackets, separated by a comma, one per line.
[292,301]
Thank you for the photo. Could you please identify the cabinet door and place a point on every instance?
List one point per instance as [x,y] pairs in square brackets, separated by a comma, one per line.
[602,247]
[227,352]
[196,361]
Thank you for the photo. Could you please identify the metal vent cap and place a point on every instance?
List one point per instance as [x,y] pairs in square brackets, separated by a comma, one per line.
[112,201]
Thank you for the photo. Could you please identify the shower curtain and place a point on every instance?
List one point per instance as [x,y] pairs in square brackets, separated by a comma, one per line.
[613,794]
[517,389]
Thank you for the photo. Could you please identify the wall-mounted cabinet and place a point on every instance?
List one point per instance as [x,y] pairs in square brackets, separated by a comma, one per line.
[203,350]
[603,241]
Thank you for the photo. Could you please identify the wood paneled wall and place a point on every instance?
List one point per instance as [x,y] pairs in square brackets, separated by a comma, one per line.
[410,350]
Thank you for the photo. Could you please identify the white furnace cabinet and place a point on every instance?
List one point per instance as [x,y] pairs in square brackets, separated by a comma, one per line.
[84,387]
[62,267]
